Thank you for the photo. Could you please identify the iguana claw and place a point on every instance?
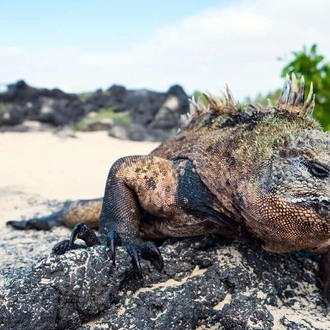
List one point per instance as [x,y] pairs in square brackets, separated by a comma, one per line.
[113,240]
[64,246]
[150,251]
[147,250]
[133,252]
[85,233]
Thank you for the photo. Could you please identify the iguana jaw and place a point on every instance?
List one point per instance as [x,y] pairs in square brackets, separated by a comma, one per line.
[323,201]
[320,204]
[290,223]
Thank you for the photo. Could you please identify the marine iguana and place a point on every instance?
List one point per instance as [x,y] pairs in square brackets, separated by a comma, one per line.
[255,173]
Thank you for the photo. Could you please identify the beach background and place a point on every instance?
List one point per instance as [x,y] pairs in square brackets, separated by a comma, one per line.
[57,167]
[62,167]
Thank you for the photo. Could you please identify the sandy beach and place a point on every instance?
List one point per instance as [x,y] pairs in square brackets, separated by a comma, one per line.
[61,168]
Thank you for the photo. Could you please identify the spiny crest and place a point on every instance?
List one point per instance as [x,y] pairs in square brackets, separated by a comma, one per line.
[215,105]
[292,98]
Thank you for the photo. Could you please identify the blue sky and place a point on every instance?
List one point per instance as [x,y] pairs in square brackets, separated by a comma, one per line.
[101,24]
[84,45]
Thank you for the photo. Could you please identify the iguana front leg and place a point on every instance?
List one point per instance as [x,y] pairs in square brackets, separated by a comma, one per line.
[134,184]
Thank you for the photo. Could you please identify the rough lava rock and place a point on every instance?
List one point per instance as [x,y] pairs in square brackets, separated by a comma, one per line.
[62,292]
[156,114]
[207,283]
[12,114]
[98,125]
[21,92]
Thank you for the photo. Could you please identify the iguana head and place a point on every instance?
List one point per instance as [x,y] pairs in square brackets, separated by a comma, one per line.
[288,202]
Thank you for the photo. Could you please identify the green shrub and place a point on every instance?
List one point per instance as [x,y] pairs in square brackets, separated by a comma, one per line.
[316,69]
[105,113]
[2,105]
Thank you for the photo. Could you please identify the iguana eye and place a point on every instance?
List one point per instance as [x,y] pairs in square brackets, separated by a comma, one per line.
[318,170]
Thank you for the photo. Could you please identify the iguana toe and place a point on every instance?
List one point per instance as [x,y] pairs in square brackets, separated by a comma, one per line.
[133,252]
[85,233]
[149,251]
[112,241]
[64,246]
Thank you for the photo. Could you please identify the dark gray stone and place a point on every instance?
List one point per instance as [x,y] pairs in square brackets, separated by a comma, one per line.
[154,116]
[12,114]
[62,292]
[118,92]
[98,125]
[53,111]
[21,92]
[134,132]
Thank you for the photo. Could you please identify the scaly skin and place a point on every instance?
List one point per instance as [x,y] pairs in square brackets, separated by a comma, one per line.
[249,174]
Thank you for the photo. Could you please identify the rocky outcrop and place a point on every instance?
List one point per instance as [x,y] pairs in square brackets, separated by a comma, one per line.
[21,93]
[12,114]
[152,116]
[207,283]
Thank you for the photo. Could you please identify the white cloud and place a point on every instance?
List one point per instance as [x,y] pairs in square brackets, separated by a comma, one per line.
[238,45]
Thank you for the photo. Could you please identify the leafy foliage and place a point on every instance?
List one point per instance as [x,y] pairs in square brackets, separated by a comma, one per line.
[105,113]
[314,69]
[2,105]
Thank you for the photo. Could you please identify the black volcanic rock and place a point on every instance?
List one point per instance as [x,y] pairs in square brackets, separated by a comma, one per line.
[153,116]
[21,92]
[12,114]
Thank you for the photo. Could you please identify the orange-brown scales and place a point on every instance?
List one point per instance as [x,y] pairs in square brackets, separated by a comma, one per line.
[253,173]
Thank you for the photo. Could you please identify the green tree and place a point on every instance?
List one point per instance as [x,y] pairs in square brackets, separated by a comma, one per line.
[314,69]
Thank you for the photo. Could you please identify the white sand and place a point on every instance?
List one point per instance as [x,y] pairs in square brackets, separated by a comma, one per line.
[61,168]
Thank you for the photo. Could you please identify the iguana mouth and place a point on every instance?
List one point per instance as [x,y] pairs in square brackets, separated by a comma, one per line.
[318,202]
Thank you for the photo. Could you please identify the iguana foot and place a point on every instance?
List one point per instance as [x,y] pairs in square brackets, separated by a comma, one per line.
[64,246]
[139,249]
[149,251]
[79,231]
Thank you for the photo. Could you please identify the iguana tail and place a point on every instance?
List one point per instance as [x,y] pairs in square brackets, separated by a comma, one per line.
[87,211]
